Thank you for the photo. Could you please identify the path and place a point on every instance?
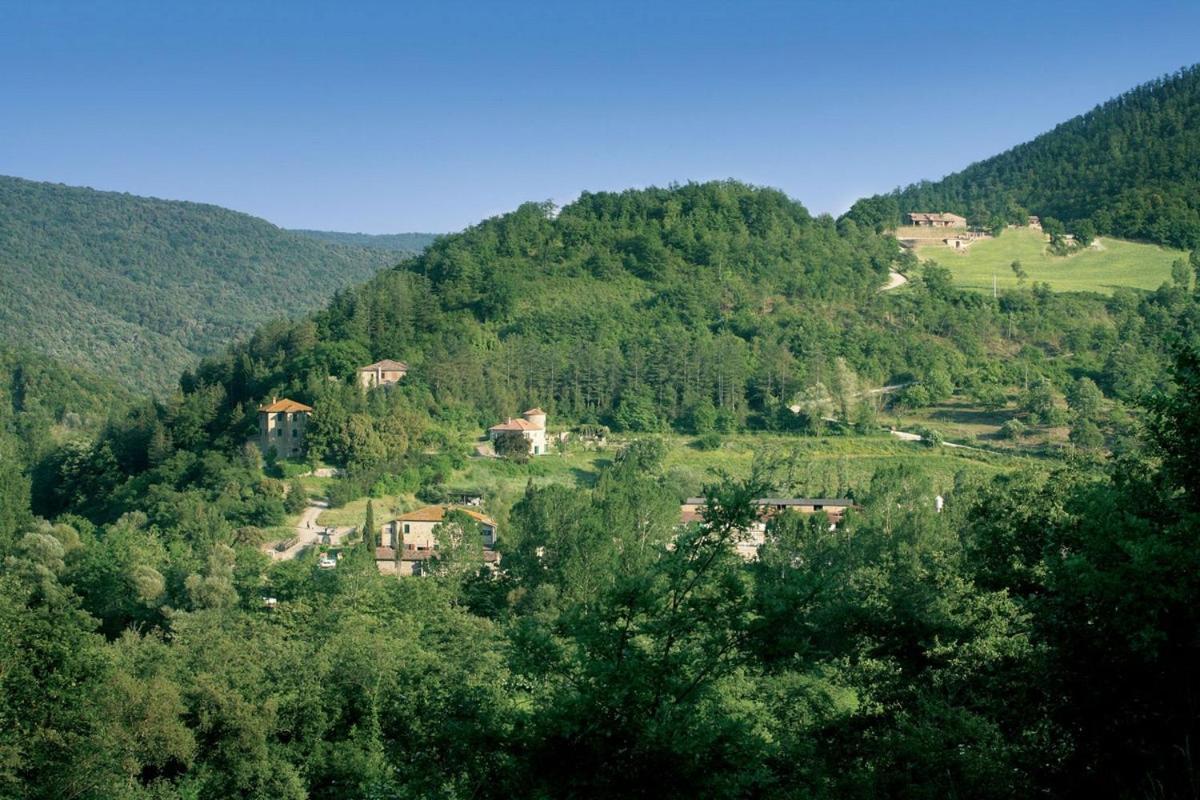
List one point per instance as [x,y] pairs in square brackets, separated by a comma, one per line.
[895,281]
[906,436]
[308,533]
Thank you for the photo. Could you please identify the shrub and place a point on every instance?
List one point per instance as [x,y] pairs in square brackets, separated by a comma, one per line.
[1012,429]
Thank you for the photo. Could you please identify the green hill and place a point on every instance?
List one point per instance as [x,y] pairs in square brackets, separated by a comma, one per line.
[408,244]
[1127,168]
[1106,265]
[141,288]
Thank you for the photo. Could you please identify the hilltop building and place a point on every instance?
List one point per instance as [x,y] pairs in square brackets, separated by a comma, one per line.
[382,373]
[282,425]
[408,541]
[925,219]
[753,538]
[531,425]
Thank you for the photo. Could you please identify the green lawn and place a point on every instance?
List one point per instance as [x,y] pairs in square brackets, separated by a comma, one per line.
[1107,265]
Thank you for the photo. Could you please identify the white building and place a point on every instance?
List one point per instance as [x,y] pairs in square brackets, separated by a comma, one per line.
[531,425]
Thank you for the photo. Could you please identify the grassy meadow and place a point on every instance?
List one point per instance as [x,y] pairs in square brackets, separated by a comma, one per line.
[1107,265]
[813,466]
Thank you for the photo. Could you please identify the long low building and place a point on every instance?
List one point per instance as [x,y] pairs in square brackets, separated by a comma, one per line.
[692,511]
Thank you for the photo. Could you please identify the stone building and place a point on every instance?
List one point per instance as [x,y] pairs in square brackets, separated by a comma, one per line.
[282,425]
[382,373]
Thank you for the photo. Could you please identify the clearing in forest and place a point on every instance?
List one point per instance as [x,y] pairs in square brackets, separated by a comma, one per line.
[1103,267]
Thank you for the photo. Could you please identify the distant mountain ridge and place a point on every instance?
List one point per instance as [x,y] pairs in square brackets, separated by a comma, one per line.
[1127,168]
[403,243]
[140,288]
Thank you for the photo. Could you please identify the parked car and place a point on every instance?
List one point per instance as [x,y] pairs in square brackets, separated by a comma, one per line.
[326,563]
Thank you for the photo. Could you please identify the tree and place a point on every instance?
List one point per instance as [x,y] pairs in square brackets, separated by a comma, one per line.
[512,445]
[1084,399]
[296,499]
[369,530]
[1040,402]
[1181,274]
[813,405]
[636,412]
[844,388]
[1086,435]
[1020,272]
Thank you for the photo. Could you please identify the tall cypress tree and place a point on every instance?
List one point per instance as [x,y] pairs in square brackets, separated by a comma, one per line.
[369,528]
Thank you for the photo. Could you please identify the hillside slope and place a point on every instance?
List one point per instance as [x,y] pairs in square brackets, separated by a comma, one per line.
[140,288]
[1105,266]
[402,243]
[1128,167]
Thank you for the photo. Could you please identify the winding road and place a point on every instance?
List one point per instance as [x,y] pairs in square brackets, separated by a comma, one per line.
[308,533]
[895,281]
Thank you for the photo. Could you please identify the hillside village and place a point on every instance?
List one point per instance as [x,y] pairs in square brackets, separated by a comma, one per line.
[405,545]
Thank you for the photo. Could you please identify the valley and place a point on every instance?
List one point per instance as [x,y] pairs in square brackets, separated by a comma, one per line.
[678,491]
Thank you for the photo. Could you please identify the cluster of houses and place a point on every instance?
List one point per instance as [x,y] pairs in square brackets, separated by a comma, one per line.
[753,538]
[283,423]
[407,543]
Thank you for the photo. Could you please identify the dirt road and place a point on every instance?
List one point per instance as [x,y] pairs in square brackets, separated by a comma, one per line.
[308,533]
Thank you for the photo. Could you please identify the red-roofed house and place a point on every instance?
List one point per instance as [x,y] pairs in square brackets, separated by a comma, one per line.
[531,425]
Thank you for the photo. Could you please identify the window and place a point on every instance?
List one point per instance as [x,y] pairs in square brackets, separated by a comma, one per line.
[295,433]
[279,431]
[406,527]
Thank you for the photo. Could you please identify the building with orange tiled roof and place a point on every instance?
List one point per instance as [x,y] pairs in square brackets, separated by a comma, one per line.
[409,539]
[282,425]
[531,425]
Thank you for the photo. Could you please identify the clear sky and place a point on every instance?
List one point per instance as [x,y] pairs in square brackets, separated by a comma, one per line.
[389,117]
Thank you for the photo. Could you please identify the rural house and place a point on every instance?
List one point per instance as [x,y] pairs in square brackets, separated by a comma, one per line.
[692,511]
[281,427]
[382,373]
[924,219]
[408,541]
[531,425]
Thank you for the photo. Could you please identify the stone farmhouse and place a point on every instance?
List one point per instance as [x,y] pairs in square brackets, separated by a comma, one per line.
[692,511]
[282,425]
[925,219]
[408,541]
[382,373]
[531,425]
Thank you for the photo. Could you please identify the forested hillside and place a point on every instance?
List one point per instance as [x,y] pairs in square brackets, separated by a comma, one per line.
[1034,638]
[140,288]
[403,243]
[1127,168]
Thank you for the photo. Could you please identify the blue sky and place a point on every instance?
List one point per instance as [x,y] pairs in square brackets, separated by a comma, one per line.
[388,117]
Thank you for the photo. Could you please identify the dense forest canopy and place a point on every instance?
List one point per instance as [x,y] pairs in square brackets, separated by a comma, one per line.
[404,243]
[1127,168]
[141,288]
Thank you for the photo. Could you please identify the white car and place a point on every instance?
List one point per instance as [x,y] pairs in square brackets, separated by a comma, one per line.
[326,563]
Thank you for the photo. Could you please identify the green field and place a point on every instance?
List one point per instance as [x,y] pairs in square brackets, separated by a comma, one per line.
[813,466]
[1107,265]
